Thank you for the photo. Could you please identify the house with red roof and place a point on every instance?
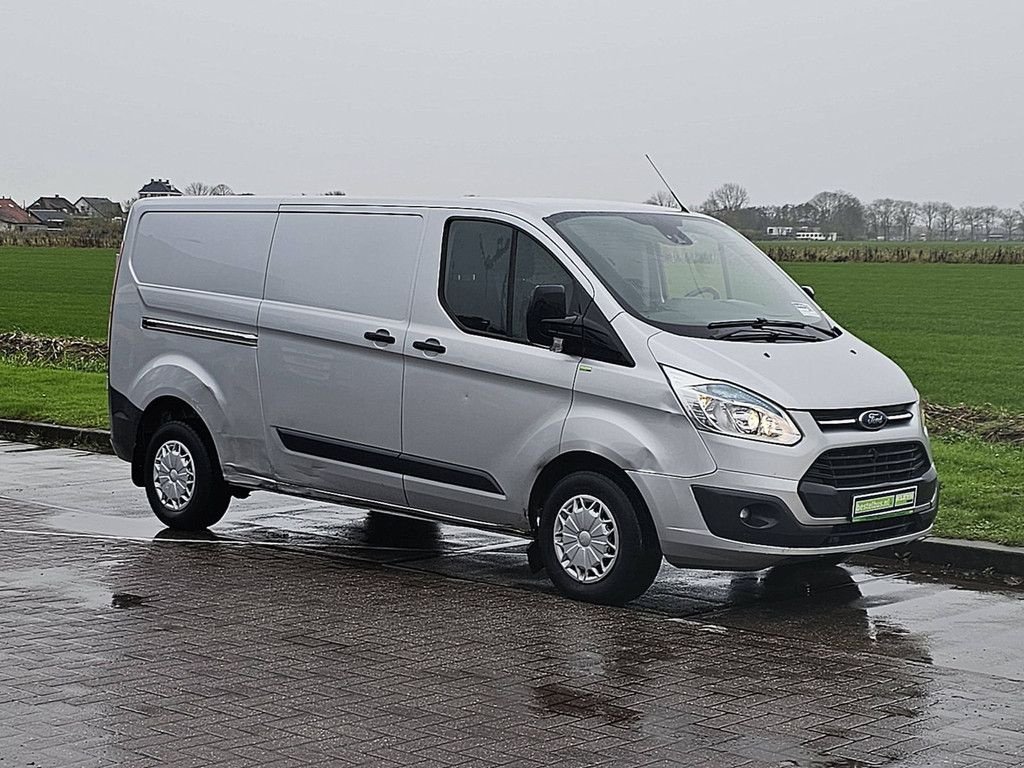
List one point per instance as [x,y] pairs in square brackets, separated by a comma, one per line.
[14,218]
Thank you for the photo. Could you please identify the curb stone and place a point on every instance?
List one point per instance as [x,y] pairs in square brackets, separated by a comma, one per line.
[959,553]
[56,435]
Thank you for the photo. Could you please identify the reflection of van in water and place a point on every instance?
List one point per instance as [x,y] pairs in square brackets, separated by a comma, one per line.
[622,382]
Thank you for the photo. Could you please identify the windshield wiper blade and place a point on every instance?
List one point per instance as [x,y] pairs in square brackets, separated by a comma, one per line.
[765,334]
[758,322]
[762,323]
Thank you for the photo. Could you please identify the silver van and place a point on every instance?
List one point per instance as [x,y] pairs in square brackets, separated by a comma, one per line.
[622,383]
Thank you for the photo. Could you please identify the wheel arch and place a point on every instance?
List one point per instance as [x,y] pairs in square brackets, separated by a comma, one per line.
[161,410]
[581,461]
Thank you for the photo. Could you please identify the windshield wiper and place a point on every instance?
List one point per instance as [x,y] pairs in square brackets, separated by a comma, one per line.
[765,334]
[759,323]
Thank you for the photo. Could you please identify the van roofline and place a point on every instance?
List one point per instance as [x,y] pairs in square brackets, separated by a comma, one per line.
[535,207]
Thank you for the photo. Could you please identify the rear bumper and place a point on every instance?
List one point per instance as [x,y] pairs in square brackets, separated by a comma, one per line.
[124,424]
[699,521]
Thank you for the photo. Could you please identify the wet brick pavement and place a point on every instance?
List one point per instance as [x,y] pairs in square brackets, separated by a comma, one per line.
[363,645]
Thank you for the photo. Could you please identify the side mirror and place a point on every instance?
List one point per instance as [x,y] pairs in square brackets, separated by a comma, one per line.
[808,290]
[547,303]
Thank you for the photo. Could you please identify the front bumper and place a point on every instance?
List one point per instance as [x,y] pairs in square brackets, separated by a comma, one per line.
[699,524]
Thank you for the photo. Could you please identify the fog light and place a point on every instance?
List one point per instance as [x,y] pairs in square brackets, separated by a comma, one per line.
[759,516]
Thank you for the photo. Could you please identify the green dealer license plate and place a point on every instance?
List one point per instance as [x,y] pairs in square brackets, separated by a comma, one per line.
[898,502]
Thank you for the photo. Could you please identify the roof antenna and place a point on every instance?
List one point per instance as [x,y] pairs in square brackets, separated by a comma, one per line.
[667,185]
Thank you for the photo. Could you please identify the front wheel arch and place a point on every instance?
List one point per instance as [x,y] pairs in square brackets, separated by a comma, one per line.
[582,461]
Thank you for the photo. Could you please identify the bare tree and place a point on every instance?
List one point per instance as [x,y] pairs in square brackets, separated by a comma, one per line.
[968,218]
[728,197]
[662,198]
[906,216]
[1009,217]
[947,220]
[987,216]
[839,212]
[202,189]
[929,213]
[882,214]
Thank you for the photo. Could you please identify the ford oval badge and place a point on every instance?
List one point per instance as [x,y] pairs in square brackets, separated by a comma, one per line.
[872,420]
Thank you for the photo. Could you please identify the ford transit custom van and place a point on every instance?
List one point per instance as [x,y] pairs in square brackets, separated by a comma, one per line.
[622,383]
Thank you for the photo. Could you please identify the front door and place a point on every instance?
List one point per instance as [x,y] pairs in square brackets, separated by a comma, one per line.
[483,407]
[332,328]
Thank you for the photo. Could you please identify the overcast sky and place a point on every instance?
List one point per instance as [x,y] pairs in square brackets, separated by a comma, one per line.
[917,100]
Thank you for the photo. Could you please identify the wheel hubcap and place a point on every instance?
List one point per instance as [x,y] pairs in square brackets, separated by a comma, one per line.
[586,539]
[174,475]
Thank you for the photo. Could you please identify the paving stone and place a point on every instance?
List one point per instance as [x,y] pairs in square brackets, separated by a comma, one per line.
[235,655]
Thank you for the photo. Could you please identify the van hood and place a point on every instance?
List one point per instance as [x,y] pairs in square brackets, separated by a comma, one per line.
[843,372]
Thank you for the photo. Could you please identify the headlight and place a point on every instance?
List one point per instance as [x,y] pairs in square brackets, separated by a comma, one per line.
[727,409]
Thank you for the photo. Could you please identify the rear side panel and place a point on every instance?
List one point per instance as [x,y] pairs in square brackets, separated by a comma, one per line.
[184,321]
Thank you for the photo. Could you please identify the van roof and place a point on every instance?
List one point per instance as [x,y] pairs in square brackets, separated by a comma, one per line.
[535,207]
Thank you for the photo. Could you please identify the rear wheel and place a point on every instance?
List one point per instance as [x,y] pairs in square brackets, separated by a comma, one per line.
[596,543]
[183,480]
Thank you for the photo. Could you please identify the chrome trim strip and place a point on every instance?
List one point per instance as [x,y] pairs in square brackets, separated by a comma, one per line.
[853,422]
[200,331]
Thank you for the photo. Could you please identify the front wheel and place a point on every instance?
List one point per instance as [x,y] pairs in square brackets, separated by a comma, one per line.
[183,480]
[596,544]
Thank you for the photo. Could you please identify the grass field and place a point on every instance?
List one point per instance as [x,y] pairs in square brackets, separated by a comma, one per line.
[56,291]
[955,328]
[982,490]
[53,395]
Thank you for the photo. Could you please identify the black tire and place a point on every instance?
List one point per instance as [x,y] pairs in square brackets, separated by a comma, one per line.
[638,557]
[210,495]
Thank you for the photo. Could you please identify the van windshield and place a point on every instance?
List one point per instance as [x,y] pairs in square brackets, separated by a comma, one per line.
[692,276]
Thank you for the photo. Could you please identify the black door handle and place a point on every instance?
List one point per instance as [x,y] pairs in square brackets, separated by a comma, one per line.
[381,336]
[430,345]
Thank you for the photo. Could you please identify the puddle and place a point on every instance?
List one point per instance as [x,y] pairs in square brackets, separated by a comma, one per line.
[106,525]
[121,600]
[563,700]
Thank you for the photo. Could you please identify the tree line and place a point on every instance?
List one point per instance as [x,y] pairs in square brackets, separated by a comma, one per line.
[843,213]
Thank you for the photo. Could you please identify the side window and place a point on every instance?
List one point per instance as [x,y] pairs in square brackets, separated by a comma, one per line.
[534,266]
[476,272]
[490,272]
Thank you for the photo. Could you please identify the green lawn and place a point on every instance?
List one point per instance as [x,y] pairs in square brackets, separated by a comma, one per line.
[56,291]
[957,329]
[57,396]
[982,494]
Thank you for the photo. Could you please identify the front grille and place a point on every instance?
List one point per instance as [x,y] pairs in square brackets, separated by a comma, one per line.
[832,419]
[866,465]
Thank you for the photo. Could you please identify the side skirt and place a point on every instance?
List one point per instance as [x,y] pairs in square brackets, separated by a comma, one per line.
[257,483]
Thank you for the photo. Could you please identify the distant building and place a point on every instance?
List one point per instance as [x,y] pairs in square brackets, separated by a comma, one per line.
[815,235]
[780,231]
[54,220]
[14,218]
[99,208]
[54,211]
[159,188]
[55,203]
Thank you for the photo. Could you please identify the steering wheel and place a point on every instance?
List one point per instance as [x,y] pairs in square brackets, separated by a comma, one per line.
[702,290]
